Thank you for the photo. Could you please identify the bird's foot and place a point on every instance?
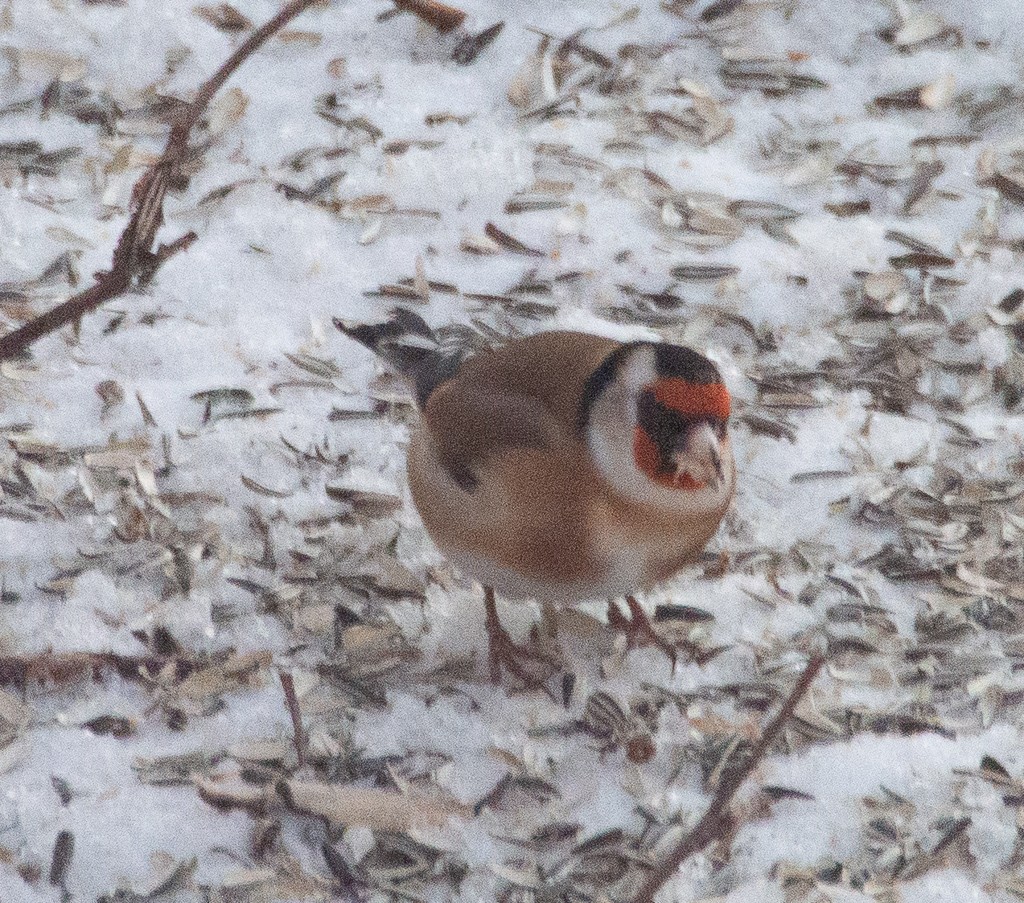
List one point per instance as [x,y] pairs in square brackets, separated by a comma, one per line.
[531,665]
[639,630]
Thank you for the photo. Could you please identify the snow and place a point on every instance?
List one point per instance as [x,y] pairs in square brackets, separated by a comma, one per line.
[249,306]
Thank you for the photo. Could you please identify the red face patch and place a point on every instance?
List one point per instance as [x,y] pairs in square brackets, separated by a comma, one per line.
[648,460]
[693,399]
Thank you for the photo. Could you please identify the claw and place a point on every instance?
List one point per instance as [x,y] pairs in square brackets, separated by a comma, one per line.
[504,653]
[638,629]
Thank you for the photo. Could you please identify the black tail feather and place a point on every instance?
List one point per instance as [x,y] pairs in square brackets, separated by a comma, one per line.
[411,347]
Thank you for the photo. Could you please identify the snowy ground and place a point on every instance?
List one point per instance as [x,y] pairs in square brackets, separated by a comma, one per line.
[211,473]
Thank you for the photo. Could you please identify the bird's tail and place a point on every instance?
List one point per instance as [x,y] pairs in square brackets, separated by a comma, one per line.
[415,351]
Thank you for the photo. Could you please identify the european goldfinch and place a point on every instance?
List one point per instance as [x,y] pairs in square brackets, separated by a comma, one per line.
[563,466]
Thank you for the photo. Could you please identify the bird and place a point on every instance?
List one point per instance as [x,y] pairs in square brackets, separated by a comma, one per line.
[561,466]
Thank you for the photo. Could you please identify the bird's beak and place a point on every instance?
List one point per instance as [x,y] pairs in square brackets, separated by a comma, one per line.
[700,456]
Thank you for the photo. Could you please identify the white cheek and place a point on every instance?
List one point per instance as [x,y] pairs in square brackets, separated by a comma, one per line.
[639,372]
[614,458]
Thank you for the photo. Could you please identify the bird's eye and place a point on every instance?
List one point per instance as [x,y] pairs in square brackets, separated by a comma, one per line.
[646,406]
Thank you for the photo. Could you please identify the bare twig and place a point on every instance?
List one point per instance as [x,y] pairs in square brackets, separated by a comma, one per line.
[716,819]
[134,259]
[298,735]
[440,15]
[65,667]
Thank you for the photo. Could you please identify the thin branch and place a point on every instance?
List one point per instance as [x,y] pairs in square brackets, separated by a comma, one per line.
[134,258]
[716,819]
[298,735]
[251,44]
[65,667]
[440,15]
[166,251]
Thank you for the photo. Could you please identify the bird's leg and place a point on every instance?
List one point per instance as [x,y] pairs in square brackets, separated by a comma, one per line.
[504,652]
[638,628]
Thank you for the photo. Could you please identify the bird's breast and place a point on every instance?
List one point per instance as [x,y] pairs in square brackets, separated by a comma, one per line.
[541,526]
[639,552]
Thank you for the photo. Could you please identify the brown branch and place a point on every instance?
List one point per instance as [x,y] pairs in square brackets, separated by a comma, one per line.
[134,258]
[298,735]
[64,667]
[440,15]
[716,819]
[166,251]
[61,668]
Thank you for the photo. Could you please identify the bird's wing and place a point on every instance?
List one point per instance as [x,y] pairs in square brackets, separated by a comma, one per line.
[470,423]
[523,395]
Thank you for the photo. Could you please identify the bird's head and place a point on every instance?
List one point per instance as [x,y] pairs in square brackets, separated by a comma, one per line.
[655,419]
